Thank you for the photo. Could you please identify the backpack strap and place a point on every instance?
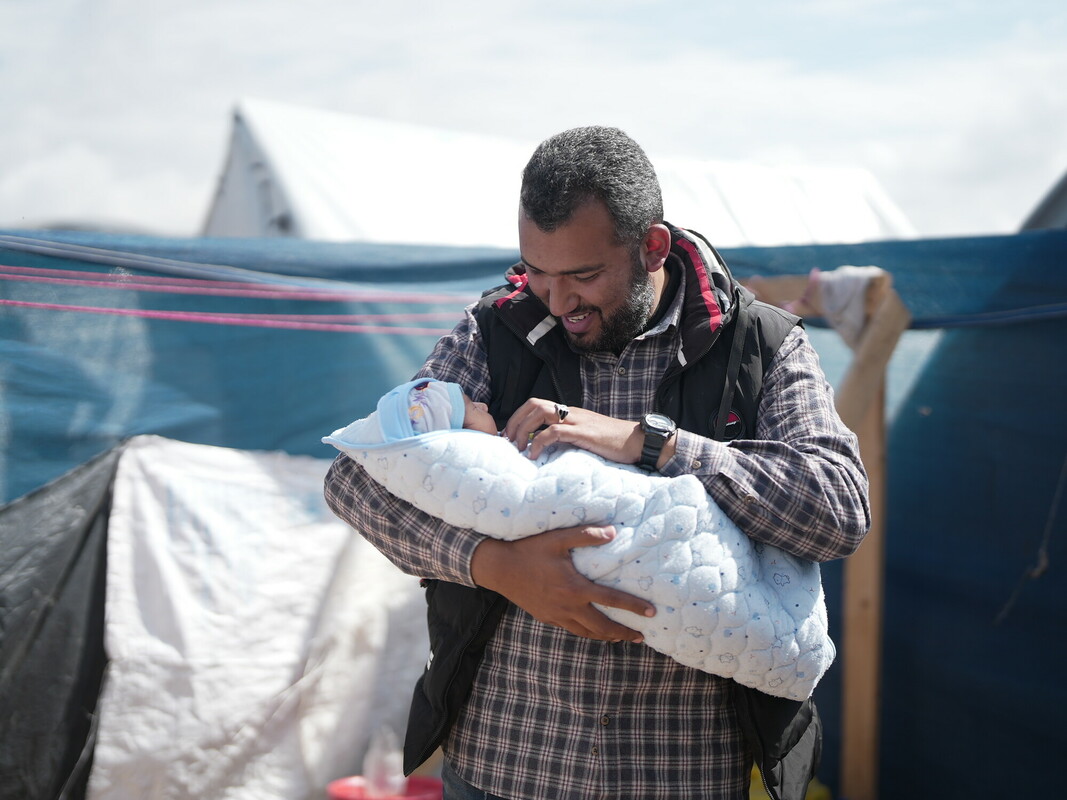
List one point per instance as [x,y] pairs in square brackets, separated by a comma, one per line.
[733,367]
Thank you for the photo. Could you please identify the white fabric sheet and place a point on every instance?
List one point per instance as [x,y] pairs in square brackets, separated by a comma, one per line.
[256,642]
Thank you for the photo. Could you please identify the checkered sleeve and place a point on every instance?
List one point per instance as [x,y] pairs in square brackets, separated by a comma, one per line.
[799,484]
[416,542]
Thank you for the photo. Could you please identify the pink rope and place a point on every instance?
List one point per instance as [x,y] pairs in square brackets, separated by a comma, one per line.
[433,315]
[119,277]
[210,288]
[248,320]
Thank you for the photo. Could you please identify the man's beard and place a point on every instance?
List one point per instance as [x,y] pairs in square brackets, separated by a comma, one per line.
[628,321]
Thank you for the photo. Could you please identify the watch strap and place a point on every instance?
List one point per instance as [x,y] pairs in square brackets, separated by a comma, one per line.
[650,451]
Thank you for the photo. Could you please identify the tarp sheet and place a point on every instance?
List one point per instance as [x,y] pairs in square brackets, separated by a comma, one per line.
[256,644]
[52,579]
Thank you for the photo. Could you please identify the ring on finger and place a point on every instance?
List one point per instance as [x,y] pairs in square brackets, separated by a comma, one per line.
[562,411]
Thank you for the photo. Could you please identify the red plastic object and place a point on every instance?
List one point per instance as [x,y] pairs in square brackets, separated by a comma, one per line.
[354,788]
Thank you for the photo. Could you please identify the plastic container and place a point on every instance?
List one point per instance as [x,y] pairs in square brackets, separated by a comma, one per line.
[418,788]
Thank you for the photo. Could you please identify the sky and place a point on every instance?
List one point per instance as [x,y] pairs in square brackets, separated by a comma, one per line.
[117,113]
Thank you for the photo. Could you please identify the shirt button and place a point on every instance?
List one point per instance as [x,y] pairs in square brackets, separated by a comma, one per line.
[595,751]
[749,499]
[695,465]
[605,720]
[622,370]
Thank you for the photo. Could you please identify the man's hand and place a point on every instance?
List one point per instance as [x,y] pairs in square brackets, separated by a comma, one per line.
[537,575]
[614,439]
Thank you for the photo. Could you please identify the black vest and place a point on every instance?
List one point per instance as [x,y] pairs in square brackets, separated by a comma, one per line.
[461,619]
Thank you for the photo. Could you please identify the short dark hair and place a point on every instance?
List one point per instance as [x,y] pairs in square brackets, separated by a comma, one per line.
[593,162]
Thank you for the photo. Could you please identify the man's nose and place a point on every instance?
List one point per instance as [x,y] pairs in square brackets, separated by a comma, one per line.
[560,300]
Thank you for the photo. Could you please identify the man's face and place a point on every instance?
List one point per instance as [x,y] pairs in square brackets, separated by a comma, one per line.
[599,290]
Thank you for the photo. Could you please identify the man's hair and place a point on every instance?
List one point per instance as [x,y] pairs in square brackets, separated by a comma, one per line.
[595,162]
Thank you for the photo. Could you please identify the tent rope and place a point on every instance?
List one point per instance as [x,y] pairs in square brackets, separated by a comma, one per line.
[127,282]
[245,320]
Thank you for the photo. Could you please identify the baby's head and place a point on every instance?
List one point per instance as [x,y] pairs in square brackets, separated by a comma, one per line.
[436,405]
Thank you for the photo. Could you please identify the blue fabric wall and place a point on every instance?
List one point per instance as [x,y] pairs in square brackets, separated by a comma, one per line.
[977,447]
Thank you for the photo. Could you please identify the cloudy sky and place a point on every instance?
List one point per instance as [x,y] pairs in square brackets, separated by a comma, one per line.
[117,112]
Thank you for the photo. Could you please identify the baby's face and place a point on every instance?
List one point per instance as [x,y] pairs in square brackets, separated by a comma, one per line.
[476,416]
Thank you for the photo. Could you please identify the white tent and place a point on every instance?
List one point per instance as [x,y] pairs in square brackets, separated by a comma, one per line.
[314,174]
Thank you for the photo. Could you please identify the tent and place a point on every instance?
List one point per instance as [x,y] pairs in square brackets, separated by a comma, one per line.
[300,172]
[261,346]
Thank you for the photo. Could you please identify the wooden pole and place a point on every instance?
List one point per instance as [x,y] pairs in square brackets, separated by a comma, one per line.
[862,648]
[861,404]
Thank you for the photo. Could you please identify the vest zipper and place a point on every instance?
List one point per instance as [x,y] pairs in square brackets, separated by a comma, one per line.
[771,794]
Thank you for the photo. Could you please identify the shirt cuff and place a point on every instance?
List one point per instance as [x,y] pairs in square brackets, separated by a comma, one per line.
[694,455]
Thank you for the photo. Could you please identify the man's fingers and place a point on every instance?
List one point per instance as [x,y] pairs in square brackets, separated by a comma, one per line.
[584,536]
[537,574]
[531,417]
[613,598]
[592,536]
[551,435]
[594,624]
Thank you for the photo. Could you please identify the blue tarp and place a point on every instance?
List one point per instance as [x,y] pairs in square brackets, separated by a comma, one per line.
[976,452]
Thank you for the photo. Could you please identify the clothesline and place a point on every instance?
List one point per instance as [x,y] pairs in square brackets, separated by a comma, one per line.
[343,323]
[128,282]
[287,321]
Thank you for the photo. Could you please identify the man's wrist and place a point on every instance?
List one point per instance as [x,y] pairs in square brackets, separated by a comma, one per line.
[670,447]
[484,562]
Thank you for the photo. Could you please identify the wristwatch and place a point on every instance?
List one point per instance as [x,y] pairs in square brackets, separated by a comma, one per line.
[658,428]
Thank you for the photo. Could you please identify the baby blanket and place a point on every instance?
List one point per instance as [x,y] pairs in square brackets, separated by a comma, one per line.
[725,604]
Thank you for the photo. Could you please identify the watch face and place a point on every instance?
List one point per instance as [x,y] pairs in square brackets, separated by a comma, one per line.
[659,424]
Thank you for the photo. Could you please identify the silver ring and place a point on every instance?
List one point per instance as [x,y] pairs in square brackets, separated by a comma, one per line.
[562,411]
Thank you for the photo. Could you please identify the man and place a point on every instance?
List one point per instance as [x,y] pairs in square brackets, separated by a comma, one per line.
[610,315]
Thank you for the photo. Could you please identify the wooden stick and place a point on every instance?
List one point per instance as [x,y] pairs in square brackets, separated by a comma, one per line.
[862,648]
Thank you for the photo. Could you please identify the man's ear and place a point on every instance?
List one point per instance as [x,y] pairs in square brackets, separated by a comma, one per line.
[657,244]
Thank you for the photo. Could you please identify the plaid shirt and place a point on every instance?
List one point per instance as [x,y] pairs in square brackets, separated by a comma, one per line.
[553,715]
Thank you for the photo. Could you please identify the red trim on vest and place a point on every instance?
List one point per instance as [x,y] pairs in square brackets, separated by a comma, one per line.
[706,290]
[519,281]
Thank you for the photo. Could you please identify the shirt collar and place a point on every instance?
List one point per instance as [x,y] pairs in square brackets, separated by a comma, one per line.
[673,316]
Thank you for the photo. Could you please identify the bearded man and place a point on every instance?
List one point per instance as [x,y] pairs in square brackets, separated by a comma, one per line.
[627,336]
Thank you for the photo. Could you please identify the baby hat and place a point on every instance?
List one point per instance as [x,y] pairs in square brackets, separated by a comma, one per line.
[420,406]
[431,407]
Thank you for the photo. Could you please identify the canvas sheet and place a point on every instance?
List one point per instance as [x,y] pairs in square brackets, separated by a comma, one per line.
[256,642]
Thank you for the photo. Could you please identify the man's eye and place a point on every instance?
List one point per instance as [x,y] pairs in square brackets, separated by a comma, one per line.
[586,278]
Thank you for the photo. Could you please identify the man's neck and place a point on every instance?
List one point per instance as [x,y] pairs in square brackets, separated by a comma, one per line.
[665,291]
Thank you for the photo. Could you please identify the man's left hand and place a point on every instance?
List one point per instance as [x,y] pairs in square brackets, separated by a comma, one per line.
[614,439]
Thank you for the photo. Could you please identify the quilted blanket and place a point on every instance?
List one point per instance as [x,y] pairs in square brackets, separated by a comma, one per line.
[725,604]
